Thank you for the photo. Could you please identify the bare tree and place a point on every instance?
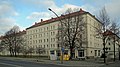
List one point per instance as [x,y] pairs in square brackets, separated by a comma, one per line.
[72,30]
[40,50]
[25,51]
[31,50]
[105,20]
[2,46]
[115,29]
[106,25]
[13,40]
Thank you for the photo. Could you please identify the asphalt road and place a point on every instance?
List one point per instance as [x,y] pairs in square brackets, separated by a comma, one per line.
[19,63]
[115,64]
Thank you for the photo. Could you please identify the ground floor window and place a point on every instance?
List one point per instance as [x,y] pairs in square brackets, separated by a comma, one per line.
[98,52]
[73,53]
[52,52]
[95,52]
[58,53]
[65,52]
[80,53]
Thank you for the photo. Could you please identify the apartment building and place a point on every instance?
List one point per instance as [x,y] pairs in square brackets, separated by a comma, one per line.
[43,34]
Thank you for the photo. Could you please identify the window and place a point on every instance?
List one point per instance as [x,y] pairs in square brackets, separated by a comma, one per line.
[81,53]
[47,28]
[66,52]
[44,40]
[30,42]
[30,37]
[33,41]
[53,27]
[39,41]
[91,51]
[58,45]
[51,33]
[95,52]
[52,52]
[44,29]
[44,46]
[44,34]
[47,40]
[51,39]
[47,34]
[39,35]
[36,36]
[53,45]
[98,52]
[109,43]
[39,30]
[36,41]
[36,31]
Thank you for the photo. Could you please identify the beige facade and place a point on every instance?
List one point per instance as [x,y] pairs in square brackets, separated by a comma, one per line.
[43,34]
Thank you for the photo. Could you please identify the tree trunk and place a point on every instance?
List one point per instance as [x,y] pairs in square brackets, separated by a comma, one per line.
[71,54]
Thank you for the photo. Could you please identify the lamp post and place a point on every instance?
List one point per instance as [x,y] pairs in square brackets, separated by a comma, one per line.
[62,49]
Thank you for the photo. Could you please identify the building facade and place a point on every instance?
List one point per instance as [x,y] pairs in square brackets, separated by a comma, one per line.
[43,34]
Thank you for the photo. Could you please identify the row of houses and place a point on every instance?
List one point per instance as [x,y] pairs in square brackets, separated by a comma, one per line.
[43,34]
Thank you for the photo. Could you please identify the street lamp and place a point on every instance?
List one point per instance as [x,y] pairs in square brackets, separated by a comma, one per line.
[62,49]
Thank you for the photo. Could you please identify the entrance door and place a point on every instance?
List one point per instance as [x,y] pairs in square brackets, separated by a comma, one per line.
[81,53]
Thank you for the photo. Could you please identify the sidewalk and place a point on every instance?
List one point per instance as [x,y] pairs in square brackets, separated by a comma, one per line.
[81,63]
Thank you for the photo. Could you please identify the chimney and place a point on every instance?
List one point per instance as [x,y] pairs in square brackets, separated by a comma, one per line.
[41,20]
[52,18]
[35,23]
[81,10]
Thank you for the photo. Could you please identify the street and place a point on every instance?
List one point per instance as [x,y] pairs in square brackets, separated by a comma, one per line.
[22,62]
[115,64]
[19,63]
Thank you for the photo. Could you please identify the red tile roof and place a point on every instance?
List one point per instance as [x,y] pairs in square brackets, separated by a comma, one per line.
[57,18]
[108,32]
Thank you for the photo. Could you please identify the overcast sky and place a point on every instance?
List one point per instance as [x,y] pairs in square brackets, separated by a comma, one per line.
[25,13]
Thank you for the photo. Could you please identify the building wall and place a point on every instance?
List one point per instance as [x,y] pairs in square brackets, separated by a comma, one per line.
[43,36]
[94,47]
[110,46]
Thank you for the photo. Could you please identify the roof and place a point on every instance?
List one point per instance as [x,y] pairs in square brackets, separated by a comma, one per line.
[56,19]
[109,33]
[80,12]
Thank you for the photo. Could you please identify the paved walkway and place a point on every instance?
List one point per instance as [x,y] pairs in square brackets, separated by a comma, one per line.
[81,63]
